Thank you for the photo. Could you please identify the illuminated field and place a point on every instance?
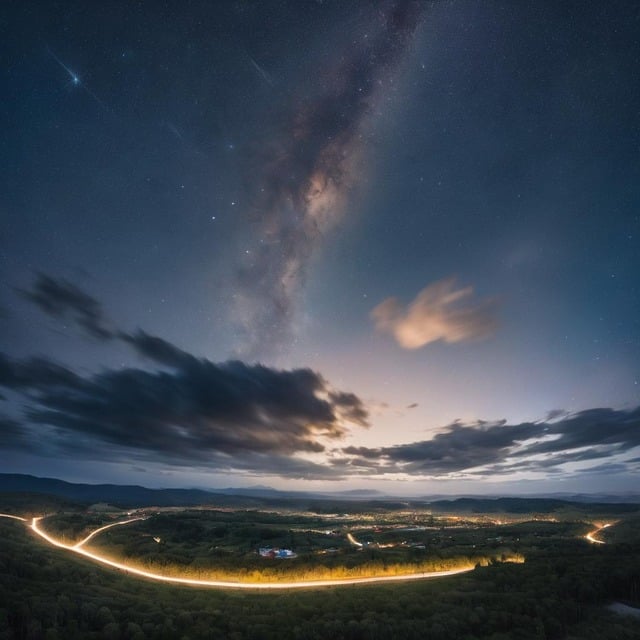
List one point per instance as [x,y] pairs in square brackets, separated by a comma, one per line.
[135,571]
[261,546]
[239,549]
[287,548]
[74,543]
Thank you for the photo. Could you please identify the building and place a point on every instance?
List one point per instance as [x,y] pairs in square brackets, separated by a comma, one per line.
[269,552]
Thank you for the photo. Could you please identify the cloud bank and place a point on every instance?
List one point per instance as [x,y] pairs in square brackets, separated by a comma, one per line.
[497,448]
[188,410]
[198,412]
[303,185]
[441,311]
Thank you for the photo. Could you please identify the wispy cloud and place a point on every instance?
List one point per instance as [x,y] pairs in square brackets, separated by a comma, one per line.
[441,311]
[497,448]
[62,299]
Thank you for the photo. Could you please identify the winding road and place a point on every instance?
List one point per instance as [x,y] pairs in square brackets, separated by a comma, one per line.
[78,549]
[101,529]
[591,535]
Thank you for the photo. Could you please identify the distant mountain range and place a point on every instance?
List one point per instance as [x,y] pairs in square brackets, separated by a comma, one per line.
[134,495]
[260,497]
[269,492]
[121,495]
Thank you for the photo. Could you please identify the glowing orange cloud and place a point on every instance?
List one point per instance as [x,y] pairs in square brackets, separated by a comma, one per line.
[440,311]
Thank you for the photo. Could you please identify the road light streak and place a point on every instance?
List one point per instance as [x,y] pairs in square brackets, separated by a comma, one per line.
[591,535]
[353,541]
[8,515]
[101,529]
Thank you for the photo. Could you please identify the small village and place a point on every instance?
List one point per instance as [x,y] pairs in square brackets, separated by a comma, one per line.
[281,554]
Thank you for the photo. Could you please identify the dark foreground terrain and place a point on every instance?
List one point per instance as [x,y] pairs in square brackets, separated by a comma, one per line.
[561,591]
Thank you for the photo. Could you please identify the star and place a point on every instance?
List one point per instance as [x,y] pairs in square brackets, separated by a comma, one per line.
[75,79]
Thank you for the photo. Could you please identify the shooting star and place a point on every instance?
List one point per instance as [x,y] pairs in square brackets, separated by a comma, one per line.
[174,130]
[75,79]
[263,74]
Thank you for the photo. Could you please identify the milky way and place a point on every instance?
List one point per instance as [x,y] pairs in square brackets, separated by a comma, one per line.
[305,183]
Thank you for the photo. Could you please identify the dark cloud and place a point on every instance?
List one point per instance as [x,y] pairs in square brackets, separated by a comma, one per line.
[230,414]
[551,463]
[35,374]
[484,448]
[156,349]
[605,427]
[459,447]
[612,468]
[305,179]
[12,434]
[192,412]
[61,299]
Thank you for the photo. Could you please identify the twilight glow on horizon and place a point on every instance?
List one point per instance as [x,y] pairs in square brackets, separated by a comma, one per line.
[321,245]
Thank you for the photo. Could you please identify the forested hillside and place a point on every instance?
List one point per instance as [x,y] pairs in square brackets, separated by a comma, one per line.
[558,593]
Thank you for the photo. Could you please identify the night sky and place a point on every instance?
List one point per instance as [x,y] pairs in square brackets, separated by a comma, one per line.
[322,245]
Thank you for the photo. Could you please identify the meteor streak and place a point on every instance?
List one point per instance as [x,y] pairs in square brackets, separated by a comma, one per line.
[175,131]
[263,74]
[75,79]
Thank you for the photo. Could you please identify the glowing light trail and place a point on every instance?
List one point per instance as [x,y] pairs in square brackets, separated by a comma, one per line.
[74,77]
[225,584]
[353,541]
[8,515]
[590,536]
[101,529]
